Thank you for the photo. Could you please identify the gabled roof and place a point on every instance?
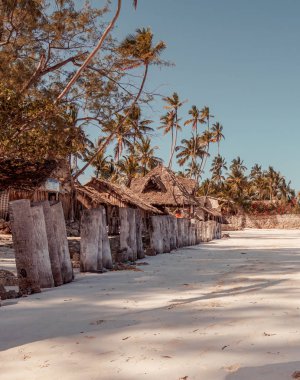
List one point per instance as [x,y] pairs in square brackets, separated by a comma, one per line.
[106,192]
[171,190]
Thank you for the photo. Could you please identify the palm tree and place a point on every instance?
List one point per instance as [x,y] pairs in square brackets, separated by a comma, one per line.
[103,164]
[128,168]
[193,171]
[195,119]
[206,138]
[237,165]
[190,150]
[205,116]
[145,154]
[94,51]
[218,165]
[217,129]
[123,136]
[173,104]
[136,50]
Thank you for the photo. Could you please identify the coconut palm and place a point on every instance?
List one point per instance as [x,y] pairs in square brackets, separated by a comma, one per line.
[190,150]
[217,130]
[206,138]
[128,168]
[145,154]
[194,120]
[206,116]
[136,50]
[217,167]
[123,136]
[237,165]
[96,49]
[173,104]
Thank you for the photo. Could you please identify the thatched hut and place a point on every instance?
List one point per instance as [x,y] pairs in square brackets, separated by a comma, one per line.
[100,192]
[36,181]
[172,194]
[166,191]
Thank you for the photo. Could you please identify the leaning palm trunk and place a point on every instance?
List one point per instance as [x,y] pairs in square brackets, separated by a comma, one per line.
[110,137]
[92,54]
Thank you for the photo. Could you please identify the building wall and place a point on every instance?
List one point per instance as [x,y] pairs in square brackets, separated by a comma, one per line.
[286,221]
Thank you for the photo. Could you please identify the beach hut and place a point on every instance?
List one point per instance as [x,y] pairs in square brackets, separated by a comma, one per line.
[36,181]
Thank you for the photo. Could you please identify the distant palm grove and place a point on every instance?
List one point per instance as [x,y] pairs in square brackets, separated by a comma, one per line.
[56,92]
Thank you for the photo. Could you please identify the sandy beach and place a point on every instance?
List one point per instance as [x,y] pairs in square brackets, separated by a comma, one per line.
[224,310]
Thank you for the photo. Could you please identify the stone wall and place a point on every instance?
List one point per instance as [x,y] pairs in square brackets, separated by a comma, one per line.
[238,222]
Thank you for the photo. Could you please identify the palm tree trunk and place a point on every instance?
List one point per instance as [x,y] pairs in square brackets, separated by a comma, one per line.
[174,142]
[92,54]
[109,138]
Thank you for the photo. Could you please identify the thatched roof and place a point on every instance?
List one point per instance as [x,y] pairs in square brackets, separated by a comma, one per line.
[162,187]
[24,175]
[105,192]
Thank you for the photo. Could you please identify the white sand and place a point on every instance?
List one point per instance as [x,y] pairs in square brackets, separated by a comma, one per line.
[206,313]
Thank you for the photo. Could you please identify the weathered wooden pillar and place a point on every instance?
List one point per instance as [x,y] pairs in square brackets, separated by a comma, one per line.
[193,234]
[41,250]
[22,234]
[128,233]
[210,230]
[105,246]
[52,244]
[139,230]
[190,233]
[220,230]
[165,226]
[156,239]
[91,240]
[198,231]
[179,232]
[185,232]
[204,231]
[62,242]
[173,232]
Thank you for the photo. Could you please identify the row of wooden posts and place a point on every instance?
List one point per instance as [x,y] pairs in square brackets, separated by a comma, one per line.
[41,245]
[166,234]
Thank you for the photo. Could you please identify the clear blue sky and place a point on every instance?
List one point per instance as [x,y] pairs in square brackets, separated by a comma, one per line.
[239,57]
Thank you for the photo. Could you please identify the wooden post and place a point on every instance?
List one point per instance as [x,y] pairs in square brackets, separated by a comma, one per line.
[156,239]
[139,239]
[22,234]
[62,242]
[185,232]
[41,250]
[179,232]
[52,244]
[128,233]
[91,240]
[173,232]
[165,228]
[106,251]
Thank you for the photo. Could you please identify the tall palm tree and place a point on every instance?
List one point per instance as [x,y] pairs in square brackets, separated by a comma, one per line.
[123,136]
[194,119]
[96,49]
[217,130]
[136,50]
[128,169]
[190,150]
[145,154]
[218,165]
[206,138]
[206,116]
[237,165]
[173,104]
